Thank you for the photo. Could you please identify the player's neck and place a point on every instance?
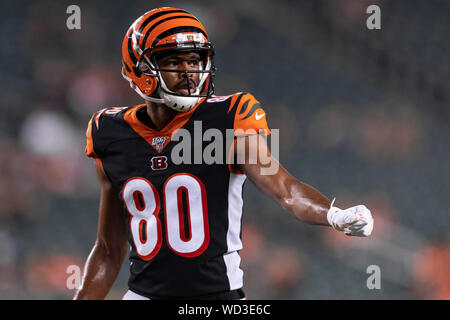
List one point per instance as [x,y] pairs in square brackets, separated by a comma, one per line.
[160,114]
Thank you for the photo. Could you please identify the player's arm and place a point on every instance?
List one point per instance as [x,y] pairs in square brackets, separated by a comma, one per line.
[106,258]
[299,199]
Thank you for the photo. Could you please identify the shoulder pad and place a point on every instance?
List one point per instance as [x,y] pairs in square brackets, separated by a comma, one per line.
[94,130]
[249,116]
[106,112]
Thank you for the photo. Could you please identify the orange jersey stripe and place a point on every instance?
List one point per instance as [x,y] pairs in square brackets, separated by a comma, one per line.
[89,150]
[169,130]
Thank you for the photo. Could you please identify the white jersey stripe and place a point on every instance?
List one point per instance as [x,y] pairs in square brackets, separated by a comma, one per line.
[231,258]
[130,295]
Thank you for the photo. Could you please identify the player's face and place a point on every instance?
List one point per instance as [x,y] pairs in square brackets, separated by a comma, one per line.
[178,82]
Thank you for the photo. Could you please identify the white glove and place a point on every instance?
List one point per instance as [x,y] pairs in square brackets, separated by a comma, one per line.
[354,221]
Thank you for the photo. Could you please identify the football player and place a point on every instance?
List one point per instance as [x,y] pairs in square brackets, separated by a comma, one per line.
[182,220]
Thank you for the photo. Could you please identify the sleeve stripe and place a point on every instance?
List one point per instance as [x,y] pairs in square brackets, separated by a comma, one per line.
[97,116]
[233,101]
[253,109]
[89,150]
[242,100]
[244,106]
[249,116]
[244,111]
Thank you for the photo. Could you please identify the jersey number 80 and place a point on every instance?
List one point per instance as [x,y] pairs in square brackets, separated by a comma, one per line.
[143,204]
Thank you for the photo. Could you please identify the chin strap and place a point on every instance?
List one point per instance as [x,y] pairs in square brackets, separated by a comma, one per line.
[173,101]
[181,104]
[153,99]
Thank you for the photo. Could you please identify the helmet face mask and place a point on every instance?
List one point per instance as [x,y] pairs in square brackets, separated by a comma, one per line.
[176,33]
[206,67]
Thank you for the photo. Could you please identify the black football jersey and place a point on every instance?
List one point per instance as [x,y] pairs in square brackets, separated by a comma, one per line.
[183,213]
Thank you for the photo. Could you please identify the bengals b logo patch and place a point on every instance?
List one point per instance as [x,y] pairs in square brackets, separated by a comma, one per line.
[159,163]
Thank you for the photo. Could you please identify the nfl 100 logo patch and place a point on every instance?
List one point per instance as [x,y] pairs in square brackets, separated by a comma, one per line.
[158,142]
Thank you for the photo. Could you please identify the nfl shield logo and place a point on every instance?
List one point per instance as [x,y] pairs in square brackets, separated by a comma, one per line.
[158,142]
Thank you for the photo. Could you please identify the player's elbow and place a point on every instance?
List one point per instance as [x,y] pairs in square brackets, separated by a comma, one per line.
[288,199]
[287,196]
[111,252]
[293,200]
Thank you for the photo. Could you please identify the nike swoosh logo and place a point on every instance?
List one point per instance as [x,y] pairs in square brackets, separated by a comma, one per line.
[259,116]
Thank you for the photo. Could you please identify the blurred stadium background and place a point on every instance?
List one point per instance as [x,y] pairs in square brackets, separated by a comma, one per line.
[364,117]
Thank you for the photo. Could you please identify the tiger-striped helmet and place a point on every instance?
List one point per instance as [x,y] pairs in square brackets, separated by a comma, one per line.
[165,30]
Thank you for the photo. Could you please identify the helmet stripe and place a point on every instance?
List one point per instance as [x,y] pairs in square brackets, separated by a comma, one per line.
[153,17]
[126,66]
[130,49]
[147,34]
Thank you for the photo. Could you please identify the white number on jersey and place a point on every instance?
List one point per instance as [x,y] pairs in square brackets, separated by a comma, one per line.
[143,204]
